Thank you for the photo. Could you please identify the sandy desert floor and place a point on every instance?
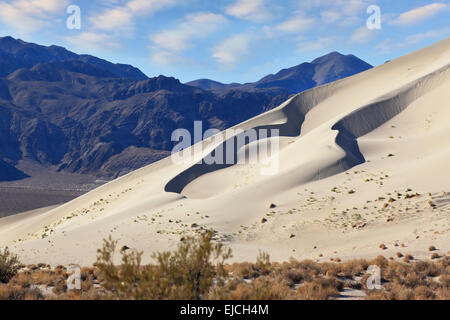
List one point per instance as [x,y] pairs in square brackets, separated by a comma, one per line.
[363,171]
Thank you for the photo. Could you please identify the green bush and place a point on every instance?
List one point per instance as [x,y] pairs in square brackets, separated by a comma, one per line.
[187,273]
[9,265]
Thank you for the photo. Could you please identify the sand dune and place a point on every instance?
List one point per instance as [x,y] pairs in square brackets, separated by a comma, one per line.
[362,161]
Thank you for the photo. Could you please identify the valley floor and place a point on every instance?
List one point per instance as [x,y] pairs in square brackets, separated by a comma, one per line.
[44,187]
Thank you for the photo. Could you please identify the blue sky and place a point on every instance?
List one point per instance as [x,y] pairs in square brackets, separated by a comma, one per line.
[227,40]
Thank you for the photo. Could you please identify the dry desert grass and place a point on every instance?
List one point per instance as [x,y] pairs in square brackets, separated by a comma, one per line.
[198,270]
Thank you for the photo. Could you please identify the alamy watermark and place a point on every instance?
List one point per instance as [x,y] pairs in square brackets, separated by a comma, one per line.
[374,280]
[74,280]
[74,20]
[374,21]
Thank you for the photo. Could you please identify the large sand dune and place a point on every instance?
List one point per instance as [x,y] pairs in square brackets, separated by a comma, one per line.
[362,161]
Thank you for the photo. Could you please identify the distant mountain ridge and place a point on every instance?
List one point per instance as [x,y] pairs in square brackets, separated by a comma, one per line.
[328,68]
[207,84]
[82,114]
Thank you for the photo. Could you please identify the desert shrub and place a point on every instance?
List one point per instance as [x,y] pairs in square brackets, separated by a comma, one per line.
[321,289]
[413,280]
[273,287]
[443,293]
[391,292]
[263,288]
[423,293]
[308,268]
[346,268]
[350,268]
[445,280]
[396,270]
[23,279]
[427,267]
[397,291]
[244,270]
[263,264]
[90,294]
[224,292]
[120,281]
[380,261]
[248,270]
[295,276]
[9,265]
[44,277]
[14,292]
[60,287]
[187,273]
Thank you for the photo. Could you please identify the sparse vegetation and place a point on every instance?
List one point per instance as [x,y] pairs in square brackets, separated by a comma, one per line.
[319,290]
[408,281]
[198,270]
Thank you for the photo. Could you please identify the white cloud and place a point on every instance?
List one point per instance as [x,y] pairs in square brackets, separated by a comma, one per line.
[167,58]
[419,14]
[166,45]
[317,44]
[148,6]
[418,37]
[347,6]
[27,16]
[298,23]
[120,18]
[232,50]
[388,18]
[93,41]
[362,35]
[254,10]
[389,45]
[194,26]
[113,19]
[340,12]
[330,16]
[115,22]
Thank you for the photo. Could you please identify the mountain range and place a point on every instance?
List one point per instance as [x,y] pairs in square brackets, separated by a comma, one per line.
[331,67]
[82,114]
